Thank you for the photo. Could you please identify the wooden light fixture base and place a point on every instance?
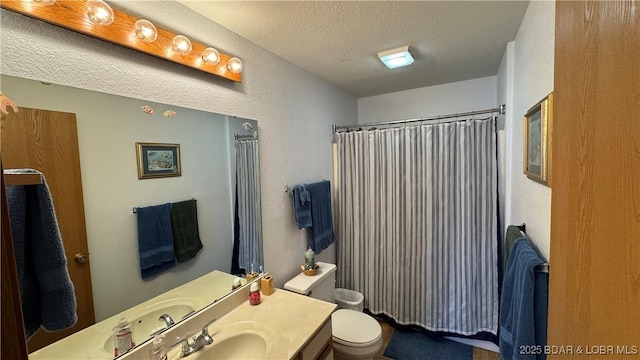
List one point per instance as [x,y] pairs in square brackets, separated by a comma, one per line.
[71,15]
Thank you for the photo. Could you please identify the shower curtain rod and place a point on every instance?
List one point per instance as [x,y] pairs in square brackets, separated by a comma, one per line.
[500,110]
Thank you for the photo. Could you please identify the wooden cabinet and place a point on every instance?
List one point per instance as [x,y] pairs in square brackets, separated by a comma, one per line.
[320,346]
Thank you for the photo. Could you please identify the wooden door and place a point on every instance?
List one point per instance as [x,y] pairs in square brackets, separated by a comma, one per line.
[594,289]
[48,141]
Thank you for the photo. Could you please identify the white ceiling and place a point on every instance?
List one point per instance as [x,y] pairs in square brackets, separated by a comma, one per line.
[339,40]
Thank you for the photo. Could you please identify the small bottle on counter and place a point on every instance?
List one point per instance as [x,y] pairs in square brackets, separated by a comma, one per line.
[236,284]
[122,337]
[254,294]
[158,350]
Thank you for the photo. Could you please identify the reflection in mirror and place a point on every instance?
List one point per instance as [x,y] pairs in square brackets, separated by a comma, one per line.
[102,188]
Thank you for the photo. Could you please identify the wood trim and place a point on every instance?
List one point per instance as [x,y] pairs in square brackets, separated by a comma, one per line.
[71,15]
[13,345]
[22,179]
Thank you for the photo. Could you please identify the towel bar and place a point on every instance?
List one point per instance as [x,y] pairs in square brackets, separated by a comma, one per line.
[135,209]
[542,268]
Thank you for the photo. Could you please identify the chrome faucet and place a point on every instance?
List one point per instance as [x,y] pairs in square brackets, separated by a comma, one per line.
[198,341]
[167,320]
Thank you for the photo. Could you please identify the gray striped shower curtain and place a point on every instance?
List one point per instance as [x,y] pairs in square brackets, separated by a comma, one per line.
[249,215]
[416,223]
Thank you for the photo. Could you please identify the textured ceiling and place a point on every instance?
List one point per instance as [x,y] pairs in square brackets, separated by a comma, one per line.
[338,40]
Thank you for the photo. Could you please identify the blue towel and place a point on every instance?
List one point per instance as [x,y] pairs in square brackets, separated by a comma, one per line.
[46,291]
[541,310]
[521,303]
[320,235]
[155,240]
[302,206]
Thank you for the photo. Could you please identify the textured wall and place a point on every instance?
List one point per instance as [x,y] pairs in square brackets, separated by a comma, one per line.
[294,109]
[504,95]
[528,201]
[462,96]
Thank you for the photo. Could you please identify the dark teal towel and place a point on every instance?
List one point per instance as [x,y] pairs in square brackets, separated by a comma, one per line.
[512,234]
[46,291]
[155,240]
[320,235]
[186,237]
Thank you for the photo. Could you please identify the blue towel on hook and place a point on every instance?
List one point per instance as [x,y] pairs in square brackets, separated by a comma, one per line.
[320,235]
[524,302]
[302,206]
[47,293]
[155,240]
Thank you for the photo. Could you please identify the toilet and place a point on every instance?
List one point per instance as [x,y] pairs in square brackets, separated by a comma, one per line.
[356,335]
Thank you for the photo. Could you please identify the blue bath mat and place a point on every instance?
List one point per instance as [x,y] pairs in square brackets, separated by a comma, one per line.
[414,345]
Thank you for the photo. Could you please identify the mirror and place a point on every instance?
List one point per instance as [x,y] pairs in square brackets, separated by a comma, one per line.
[108,127]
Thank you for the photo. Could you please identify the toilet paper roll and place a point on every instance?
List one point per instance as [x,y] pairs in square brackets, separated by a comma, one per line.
[266,285]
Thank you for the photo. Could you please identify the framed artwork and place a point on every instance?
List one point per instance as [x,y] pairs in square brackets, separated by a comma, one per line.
[537,141]
[158,160]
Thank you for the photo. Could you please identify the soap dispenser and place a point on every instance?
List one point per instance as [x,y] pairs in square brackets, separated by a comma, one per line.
[158,350]
[254,294]
[122,337]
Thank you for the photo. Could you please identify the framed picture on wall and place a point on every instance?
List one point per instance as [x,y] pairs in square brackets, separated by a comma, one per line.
[158,160]
[537,141]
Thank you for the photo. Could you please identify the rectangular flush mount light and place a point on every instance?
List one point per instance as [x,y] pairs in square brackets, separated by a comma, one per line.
[396,57]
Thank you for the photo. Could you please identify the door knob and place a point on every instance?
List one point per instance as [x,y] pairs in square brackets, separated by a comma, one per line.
[80,258]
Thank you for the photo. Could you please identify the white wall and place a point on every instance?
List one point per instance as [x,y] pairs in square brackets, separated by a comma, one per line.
[504,95]
[294,109]
[532,62]
[457,97]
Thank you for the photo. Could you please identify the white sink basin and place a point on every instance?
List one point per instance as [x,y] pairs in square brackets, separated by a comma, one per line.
[144,322]
[239,346]
[240,340]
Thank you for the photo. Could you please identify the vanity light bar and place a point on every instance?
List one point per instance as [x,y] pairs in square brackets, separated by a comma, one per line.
[71,15]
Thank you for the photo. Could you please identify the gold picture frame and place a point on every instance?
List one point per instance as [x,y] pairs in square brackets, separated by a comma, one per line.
[537,128]
[157,160]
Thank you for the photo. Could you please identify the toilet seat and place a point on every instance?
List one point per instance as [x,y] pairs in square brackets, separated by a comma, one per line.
[355,329]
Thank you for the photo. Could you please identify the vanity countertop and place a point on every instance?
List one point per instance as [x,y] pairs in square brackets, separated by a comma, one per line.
[89,342]
[291,317]
[288,319]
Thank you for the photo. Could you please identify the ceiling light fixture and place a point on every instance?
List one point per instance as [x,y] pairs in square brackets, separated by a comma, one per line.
[99,12]
[211,56]
[235,65]
[181,45]
[96,18]
[396,57]
[145,30]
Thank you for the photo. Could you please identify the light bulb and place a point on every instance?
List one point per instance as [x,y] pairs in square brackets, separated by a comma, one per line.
[234,65]
[211,56]
[145,30]
[181,45]
[99,12]
[44,2]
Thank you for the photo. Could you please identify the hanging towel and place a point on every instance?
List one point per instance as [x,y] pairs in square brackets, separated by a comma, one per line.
[186,237]
[519,302]
[47,293]
[320,235]
[155,240]
[302,206]
[513,233]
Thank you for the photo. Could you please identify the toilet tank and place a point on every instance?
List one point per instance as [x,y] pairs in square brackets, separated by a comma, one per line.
[320,286]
